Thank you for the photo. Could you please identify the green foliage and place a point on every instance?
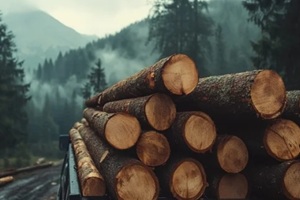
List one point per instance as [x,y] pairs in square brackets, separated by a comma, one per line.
[13,93]
[279,46]
[182,26]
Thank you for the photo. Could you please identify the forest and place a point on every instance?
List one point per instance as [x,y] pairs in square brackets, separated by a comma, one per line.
[221,36]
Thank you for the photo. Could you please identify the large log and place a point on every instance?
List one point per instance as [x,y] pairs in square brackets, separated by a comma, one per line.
[126,178]
[258,93]
[91,181]
[192,131]
[176,75]
[156,111]
[229,153]
[277,181]
[292,108]
[5,180]
[182,178]
[120,130]
[227,186]
[153,148]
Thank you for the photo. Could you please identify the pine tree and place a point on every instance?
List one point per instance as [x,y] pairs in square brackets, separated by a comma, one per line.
[220,57]
[13,93]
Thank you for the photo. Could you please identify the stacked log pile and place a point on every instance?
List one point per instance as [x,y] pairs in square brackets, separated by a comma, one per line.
[166,132]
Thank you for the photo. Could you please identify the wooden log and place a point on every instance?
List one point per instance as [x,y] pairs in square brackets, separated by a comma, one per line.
[229,153]
[277,181]
[5,180]
[155,111]
[153,148]
[126,178]
[91,181]
[192,131]
[292,108]
[258,93]
[176,75]
[120,130]
[182,178]
[227,186]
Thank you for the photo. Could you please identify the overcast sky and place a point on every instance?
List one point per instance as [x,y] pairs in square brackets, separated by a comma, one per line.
[94,17]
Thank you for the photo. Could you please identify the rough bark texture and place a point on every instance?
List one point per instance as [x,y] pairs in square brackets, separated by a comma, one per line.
[120,130]
[258,93]
[192,131]
[176,74]
[182,178]
[155,111]
[125,177]
[153,148]
[91,181]
[292,108]
[277,181]
[5,180]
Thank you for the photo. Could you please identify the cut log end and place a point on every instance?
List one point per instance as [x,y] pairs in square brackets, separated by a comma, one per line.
[233,186]
[136,181]
[268,94]
[160,111]
[188,180]
[180,75]
[282,140]
[232,154]
[91,187]
[291,181]
[122,131]
[153,149]
[199,132]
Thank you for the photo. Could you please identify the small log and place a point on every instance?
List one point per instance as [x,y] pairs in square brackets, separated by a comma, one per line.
[153,148]
[192,131]
[229,153]
[252,94]
[156,111]
[182,178]
[227,186]
[125,177]
[292,108]
[5,180]
[176,75]
[91,181]
[277,181]
[120,130]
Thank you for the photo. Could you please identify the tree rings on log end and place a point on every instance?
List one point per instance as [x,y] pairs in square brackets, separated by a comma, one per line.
[268,94]
[136,181]
[282,140]
[122,131]
[160,111]
[232,154]
[199,132]
[153,149]
[188,180]
[291,181]
[180,75]
[233,186]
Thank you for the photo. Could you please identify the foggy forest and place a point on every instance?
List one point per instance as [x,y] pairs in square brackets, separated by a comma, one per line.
[43,94]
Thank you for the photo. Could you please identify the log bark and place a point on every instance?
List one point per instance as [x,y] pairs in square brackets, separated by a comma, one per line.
[182,178]
[227,186]
[279,181]
[120,130]
[258,93]
[229,153]
[91,181]
[153,148]
[192,131]
[125,177]
[292,108]
[176,75]
[156,111]
[5,180]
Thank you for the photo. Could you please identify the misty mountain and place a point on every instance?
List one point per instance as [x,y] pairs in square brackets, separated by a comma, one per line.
[38,36]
